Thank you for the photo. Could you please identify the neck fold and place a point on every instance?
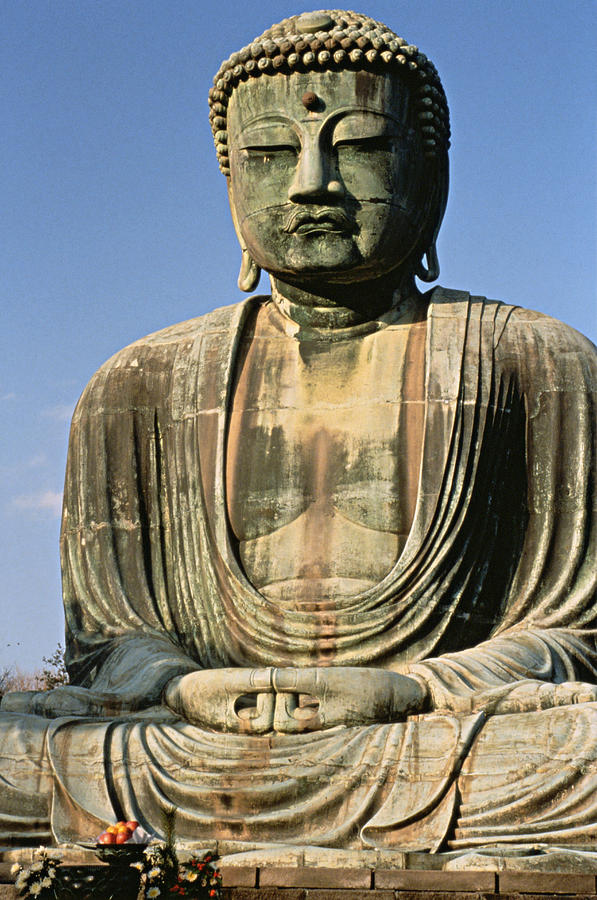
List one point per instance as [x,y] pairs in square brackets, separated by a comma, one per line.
[375,309]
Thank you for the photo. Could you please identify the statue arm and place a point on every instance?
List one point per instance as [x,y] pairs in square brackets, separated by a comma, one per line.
[522,655]
[122,633]
[547,632]
[133,676]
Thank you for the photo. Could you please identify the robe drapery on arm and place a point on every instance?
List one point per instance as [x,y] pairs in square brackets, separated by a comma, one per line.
[494,585]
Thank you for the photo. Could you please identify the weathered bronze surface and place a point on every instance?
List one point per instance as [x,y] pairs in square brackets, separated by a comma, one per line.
[328,554]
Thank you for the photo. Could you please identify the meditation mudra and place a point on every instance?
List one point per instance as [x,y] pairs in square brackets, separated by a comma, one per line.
[328,555]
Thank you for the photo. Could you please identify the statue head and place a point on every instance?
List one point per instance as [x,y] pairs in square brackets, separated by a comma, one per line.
[333,133]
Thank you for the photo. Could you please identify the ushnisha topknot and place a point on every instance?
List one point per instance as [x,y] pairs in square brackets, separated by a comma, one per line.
[332,40]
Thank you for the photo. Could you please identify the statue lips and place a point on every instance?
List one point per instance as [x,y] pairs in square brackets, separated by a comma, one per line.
[328,219]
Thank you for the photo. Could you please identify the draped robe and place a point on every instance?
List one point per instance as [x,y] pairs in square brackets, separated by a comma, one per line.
[495,585]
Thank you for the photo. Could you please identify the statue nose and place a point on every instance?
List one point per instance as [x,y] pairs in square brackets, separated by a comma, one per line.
[314,179]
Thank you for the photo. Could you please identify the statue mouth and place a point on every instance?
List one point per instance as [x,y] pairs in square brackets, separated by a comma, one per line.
[328,220]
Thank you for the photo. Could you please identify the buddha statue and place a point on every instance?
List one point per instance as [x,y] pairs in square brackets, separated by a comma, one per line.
[328,554]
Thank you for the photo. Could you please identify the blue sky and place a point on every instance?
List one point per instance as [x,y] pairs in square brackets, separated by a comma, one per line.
[115,220]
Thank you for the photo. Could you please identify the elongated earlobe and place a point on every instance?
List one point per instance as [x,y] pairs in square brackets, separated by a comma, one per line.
[248,277]
[431,271]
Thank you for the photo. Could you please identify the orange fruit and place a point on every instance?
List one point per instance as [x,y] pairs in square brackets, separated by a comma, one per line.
[106,837]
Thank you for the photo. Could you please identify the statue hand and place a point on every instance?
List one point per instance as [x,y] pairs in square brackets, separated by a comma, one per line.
[314,698]
[292,700]
[67,700]
[233,700]
[531,696]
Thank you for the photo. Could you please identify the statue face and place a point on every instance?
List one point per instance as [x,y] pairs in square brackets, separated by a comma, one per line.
[326,176]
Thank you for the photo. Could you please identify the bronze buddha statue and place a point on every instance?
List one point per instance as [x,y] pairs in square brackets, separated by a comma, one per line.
[328,555]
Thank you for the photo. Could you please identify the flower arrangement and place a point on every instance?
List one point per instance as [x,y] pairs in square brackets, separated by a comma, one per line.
[162,874]
[37,880]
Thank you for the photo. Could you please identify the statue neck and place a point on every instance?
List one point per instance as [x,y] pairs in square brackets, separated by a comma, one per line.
[344,306]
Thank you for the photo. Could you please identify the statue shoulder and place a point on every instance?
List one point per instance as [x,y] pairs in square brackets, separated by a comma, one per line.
[546,354]
[542,324]
[509,320]
[529,326]
[169,339]
[140,373]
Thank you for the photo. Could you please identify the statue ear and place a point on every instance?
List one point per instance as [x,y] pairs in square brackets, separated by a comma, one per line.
[439,179]
[250,272]
[431,271]
[248,277]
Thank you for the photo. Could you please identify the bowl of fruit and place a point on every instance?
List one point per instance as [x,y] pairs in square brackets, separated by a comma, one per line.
[121,844]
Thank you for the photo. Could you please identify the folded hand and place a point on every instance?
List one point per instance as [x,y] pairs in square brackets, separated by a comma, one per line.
[293,700]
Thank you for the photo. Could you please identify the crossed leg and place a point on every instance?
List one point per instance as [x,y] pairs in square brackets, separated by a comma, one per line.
[531,778]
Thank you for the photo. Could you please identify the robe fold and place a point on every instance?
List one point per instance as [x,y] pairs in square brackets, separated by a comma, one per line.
[495,586]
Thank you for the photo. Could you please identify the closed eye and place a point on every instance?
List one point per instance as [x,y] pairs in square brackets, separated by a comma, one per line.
[368,144]
[270,150]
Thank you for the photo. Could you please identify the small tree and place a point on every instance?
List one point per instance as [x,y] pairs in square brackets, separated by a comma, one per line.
[5,680]
[14,679]
[52,675]
[54,672]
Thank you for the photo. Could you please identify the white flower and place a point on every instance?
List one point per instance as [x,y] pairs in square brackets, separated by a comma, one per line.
[21,881]
[52,872]
[35,889]
[137,865]
[15,868]
[153,892]
[46,882]
[155,872]
[191,876]
[36,867]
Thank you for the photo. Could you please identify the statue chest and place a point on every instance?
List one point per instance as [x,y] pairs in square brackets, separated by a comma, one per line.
[323,456]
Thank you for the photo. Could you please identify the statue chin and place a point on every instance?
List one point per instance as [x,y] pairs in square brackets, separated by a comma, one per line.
[325,553]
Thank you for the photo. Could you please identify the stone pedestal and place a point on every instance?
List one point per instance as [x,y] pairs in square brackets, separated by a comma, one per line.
[312,882]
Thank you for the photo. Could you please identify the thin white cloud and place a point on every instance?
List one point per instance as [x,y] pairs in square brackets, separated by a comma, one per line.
[10,396]
[40,502]
[34,462]
[62,412]
[17,469]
